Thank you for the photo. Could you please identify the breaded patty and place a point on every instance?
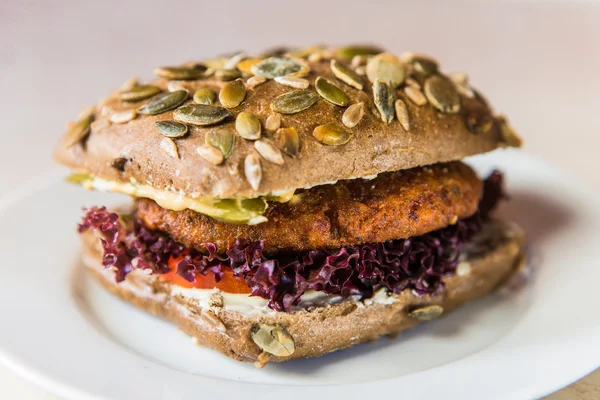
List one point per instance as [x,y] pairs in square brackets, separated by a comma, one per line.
[393,205]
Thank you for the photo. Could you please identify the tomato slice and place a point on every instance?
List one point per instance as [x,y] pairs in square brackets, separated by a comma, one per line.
[228,283]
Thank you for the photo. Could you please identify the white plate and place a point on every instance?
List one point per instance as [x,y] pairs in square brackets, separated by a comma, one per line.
[65,333]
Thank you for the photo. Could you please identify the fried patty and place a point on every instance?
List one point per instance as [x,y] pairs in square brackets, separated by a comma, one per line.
[393,205]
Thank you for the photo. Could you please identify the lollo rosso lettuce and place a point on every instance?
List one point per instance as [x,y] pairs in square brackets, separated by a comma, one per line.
[418,263]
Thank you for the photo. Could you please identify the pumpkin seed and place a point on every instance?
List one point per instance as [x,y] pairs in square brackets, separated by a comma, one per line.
[173,86]
[247,126]
[81,129]
[280,66]
[441,94]
[273,123]
[227,75]
[274,340]
[201,114]
[331,92]
[287,140]
[123,116]
[205,96]
[402,114]
[345,74]
[232,94]
[268,151]
[168,146]
[383,97]
[215,63]
[138,93]
[292,81]
[210,154]
[353,115]
[253,170]
[508,134]
[246,65]
[223,139]
[129,84]
[461,83]
[304,51]
[424,66]
[164,102]
[181,73]
[294,102]
[386,67]
[171,129]
[415,95]
[350,52]
[255,80]
[332,134]
[427,313]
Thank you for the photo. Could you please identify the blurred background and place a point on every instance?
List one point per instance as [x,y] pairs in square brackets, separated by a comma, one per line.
[537,61]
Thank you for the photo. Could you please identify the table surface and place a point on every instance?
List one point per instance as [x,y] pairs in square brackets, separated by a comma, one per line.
[538,61]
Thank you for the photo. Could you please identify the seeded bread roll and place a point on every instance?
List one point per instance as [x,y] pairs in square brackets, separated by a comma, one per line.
[345,113]
[493,257]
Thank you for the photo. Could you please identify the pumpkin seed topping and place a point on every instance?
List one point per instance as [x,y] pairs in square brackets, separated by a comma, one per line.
[227,75]
[247,126]
[353,115]
[424,66]
[427,313]
[350,52]
[273,340]
[129,84]
[81,129]
[332,134]
[280,66]
[402,114]
[223,139]
[441,94]
[200,114]
[345,74]
[287,140]
[139,93]
[164,102]
[294,102]
[205,96]
[415,95]
[253,170]
[292,81]
[331,92]
[255,80]
[171,129]
[173,86]
[232,94]
[245,66]
[168,146]
[383,97]
[509,135]
[386,67]
[122,117]
[269,152]
[210,154]
[273,123]
[181,73]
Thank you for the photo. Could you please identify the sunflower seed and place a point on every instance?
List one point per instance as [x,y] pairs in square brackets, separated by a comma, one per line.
[358,61]
[100,123]
[210,154]
[205,96]
[353,115]
[81,129]
[415,95]
[294,102]
[441,94]
[350,52]
[181,73]
[268,151]
[315,57]
[169,147]
[461,83]
[346,75]
[383,97]
[280,66]
[247,126]
[427,313]
[463,268]
[171,129]
[245,66]
[402,114]
[287,140]
[331,92]
[164,102]
[413,83]
[211,319]
[331,134]
[386,67]
[361,71]
[292,81]
[508,134]
[138,93]
[173,86]
[233,61]
[274,340]
[253,170]
[129,84]
[232,94]
[200,114]
[123,116]
[254,81]
[223,139]
[273,123]
[227,75]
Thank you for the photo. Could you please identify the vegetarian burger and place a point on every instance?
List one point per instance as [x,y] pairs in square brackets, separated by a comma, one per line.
[296,202]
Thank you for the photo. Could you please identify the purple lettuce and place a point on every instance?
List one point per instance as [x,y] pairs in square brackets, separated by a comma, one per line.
[416,263]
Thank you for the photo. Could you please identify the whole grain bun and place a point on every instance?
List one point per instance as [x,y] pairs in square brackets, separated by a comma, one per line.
[433,129]
[493,257]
